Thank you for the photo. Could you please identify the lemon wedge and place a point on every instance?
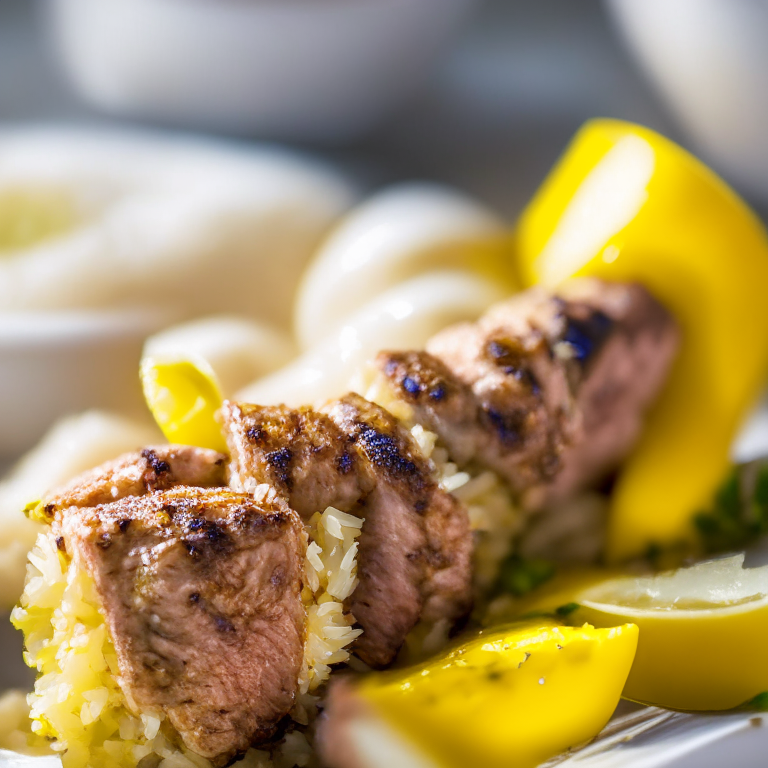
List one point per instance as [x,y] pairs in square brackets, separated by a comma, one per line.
[183,396]
[626,204]
[515,695]
[703,632]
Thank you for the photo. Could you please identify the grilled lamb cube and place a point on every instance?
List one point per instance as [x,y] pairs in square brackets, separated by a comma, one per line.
[201,593]
[549,391]
[135,474]
[414,560]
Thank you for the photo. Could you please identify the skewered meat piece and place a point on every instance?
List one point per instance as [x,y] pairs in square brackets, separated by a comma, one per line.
[135,474]
[415,558]
[301,453]
[201,593]
[548,391]
[415,548]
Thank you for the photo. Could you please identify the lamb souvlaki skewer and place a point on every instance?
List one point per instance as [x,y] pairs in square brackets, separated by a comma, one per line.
[549,392]
[214,597]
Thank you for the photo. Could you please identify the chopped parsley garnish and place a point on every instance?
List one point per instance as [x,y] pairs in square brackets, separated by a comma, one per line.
[739,512]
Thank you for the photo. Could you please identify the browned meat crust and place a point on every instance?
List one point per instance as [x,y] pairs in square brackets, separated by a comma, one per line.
[415,548]
[201,590]
[135,474]
[301,453]
[415,559]
[549,391]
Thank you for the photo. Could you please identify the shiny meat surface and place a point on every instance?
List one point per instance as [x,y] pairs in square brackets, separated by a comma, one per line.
[135,474]
[549,391]
[201,590]
[415,547]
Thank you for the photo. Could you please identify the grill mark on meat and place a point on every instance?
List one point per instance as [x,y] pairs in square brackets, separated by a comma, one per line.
[344,463]
[509,355]
[356,457]
[586,336]
[202,597]
[406,513]
[548,391]
[509,426]
[158,472]
[299,452]
[280,461]
[382,450]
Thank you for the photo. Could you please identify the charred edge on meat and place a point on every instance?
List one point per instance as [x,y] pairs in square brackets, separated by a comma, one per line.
[158,472]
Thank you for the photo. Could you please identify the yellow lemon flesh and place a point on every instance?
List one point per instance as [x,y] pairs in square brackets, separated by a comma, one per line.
[626,204]
[513,696]
[703,633]
[184,396]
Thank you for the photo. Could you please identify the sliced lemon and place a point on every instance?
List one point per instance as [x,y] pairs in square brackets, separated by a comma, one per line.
[624,203]
[703,632]
[184,396]
[512,696]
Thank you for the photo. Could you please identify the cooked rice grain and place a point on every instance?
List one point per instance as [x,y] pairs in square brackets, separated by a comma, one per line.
[330,576]
[77,703]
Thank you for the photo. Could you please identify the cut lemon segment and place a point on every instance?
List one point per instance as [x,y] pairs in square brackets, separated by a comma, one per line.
[626,204]
[703,632]
[184,396]
[516,695]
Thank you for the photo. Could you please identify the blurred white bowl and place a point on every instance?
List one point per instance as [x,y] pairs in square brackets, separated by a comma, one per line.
[709,59]
[64,362]
[302,69]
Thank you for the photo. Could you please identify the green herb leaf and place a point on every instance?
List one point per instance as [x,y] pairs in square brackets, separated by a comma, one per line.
[739,512]
[758,704]
[567,609]
[519,576]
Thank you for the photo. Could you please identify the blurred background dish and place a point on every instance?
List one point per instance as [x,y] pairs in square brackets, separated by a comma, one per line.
[105,218]
[297,69]
[55,363]
[107,236]
[709,61]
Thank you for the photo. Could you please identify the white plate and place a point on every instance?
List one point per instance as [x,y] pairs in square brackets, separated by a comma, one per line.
[65,362]
[309,69]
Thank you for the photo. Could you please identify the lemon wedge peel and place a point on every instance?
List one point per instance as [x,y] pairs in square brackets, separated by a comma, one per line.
[626,204]
[703,633]
[529,690]
[184,396]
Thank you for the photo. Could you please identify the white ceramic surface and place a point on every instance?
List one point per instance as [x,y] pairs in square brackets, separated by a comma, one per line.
[311,69]
[709,60]
[161,219]
[64,362]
